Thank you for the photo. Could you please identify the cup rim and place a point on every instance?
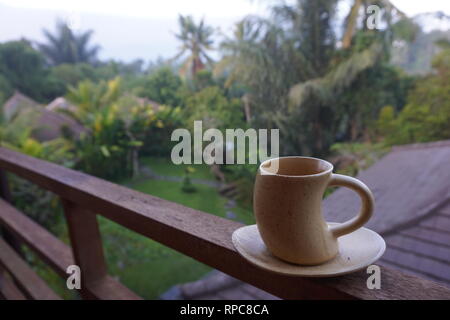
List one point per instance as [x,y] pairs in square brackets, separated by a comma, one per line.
[327,163]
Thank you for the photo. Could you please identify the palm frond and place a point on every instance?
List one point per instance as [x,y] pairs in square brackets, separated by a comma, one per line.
[64,46]
[325,88]
[197,40]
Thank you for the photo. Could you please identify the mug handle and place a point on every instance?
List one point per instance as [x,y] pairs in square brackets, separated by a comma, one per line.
[366,199]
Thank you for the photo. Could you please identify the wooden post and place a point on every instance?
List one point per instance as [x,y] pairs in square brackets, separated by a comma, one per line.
[4,189]
[5,193]
[86,245]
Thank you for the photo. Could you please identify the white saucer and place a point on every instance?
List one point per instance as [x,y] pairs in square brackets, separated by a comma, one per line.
[357,250]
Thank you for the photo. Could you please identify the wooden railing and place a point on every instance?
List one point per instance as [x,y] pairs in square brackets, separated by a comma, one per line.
[202,236]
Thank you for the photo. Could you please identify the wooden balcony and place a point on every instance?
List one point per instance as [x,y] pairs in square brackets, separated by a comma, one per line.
[202,236]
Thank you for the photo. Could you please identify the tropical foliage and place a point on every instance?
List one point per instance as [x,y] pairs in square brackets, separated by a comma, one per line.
[292,70]
[211,106]
[23,68]
[117,126]
[195,42]
[427,113]
[162,86]
[66,46]
[329,85]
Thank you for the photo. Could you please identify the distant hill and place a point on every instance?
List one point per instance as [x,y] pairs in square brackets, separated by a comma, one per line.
[416,57]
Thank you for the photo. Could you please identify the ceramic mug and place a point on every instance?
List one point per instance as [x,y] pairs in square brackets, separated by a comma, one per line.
[288,208]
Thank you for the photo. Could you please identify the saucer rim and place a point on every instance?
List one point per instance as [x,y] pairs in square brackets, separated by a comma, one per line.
[357,268]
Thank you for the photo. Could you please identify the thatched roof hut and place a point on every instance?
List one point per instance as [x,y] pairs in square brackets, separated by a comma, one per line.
[47,124]
[61,103]
[16,103]
[51,125]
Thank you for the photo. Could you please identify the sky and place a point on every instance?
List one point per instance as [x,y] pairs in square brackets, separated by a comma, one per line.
[146,8]
[132,29]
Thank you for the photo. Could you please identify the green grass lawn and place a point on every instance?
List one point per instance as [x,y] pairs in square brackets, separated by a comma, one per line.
[164,166]
[205,199]
[146,266]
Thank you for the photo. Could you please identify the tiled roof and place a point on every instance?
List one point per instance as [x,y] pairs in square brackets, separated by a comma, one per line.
[408,183]
[423,248]
[411,186]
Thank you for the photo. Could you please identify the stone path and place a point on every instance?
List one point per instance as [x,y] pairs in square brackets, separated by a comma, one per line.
[216,285]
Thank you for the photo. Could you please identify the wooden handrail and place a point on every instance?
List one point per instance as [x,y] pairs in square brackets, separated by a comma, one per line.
[57,254]
[8,289]
[34,287]
[204,237]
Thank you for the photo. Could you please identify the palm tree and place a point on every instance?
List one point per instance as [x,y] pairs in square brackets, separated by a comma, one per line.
[65,46]
[354,14]
[340,76]
[293,70]
[351,23]
[322,91]
[311,27]
[196,41]
[90,98]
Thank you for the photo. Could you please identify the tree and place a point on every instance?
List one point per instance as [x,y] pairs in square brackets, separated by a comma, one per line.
[23,68]
[118,127]
[162,86]
[262,57]
[68,75]
[107,139]
[363,51]
[90,97]
[196,41]
[5,89]
[389,12]
[215,110]
[361,103]
[65,46]
[427,113]
[16,134]
[310,26]
[269,56]
[350,22]
[296,75]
